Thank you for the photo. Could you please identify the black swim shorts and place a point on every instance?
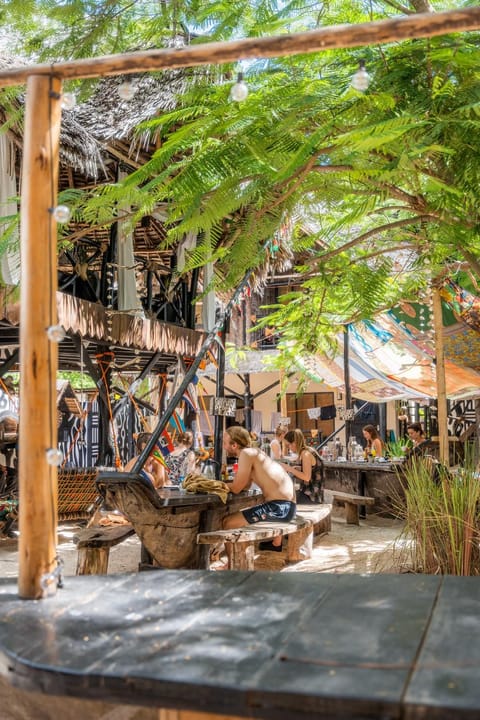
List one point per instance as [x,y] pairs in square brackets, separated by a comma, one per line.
[272,511]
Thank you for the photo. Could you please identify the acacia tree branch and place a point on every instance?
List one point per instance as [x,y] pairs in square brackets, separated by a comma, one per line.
[470,258]
[370,233]
[401,8]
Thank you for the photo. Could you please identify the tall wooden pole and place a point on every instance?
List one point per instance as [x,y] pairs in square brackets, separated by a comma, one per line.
[440,374]
[348,389]
[38,358]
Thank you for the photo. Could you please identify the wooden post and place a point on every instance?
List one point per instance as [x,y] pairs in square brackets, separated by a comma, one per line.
[283,406]
[38,359]
[440,375]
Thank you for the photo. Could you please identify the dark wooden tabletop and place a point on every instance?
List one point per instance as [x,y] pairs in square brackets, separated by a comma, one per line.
[383,465]
[176,497]
[283,646]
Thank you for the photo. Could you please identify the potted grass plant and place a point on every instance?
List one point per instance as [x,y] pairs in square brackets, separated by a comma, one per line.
[395,449]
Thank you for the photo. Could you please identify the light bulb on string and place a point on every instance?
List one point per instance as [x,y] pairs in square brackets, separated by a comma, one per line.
[127,90]
[56,333]
[61,213]
[361,79]
[69,100]
[54,456]
[239,91]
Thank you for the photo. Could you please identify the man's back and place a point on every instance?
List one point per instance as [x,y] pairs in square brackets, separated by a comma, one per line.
[274,482]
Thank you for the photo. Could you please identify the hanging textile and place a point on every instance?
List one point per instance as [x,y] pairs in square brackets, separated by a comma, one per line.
[396,352]
[190,395]
[464,304]
[177,423]
[188,243]
[128,300]
[209,300]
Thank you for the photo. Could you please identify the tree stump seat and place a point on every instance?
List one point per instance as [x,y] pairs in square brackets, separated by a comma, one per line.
[351,503]
[240,542]
[94,545]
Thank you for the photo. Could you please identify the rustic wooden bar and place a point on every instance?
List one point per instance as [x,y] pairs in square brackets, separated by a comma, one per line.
[256,645]
[380,480]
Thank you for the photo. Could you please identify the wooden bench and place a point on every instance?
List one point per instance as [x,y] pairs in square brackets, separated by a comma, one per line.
[94,545]
[320,515]
[351,503]
[240,542]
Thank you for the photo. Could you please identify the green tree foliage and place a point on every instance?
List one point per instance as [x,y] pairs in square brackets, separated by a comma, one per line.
[379,188]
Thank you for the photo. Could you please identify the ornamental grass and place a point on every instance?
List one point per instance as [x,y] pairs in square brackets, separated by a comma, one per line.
[441,517]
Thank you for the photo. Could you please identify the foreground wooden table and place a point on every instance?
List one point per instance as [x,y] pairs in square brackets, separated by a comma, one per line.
[265,645]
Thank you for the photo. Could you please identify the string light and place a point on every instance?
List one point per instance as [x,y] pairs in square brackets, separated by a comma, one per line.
[361,79]
[239,91]
[54,456]
[127,90]
[61,213]
[69,100]
[56,333]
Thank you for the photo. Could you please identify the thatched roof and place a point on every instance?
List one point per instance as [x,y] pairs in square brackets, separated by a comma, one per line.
[102,131]
[108,117]
[78,148]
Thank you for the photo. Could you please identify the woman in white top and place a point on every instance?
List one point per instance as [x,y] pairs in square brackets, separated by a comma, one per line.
[181,461]
[276,444]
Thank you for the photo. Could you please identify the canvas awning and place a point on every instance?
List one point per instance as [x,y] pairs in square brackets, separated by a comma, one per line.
[402,356]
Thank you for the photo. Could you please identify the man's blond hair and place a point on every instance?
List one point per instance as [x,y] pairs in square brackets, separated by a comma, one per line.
[239,435]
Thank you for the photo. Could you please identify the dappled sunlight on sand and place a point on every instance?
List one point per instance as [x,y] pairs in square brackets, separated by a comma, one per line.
[375,546]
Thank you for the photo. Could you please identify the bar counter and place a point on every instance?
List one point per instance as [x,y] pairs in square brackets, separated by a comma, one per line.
[381,480]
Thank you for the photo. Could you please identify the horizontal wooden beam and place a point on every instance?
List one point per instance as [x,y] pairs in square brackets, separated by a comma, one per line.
[327,38]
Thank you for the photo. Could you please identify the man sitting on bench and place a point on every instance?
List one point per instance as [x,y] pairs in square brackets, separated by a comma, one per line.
[255,466]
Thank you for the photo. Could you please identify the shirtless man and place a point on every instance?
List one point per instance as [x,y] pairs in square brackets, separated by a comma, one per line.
[254,466]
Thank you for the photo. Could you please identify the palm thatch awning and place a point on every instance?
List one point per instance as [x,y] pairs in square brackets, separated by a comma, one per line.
[133,340]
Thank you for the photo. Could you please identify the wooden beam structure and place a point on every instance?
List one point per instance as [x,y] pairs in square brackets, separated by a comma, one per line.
[39,355]
[328,38]
[37,561]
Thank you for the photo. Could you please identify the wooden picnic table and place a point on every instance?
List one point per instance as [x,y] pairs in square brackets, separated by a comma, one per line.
[267,645]
[167,521]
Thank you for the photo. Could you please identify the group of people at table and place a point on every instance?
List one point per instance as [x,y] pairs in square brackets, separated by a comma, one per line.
[375,446]
[282,485]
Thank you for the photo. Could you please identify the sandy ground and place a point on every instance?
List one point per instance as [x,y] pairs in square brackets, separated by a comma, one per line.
[372,547]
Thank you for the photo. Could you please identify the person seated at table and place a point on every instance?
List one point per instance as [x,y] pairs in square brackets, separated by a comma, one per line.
[152,469]
[417,440]
[276,444]
[374,444]
[276,485]
[308,469]
[182,460]
[423,451]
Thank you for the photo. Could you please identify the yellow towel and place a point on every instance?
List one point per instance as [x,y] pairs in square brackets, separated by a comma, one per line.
[199,484]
